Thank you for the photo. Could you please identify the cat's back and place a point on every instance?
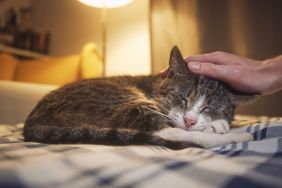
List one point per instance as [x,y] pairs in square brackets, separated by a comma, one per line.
[105,87]
[93,95]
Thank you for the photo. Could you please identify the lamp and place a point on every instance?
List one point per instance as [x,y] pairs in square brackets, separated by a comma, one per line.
[104,5]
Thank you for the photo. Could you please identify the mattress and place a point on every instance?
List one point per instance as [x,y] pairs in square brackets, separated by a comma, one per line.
[252,164]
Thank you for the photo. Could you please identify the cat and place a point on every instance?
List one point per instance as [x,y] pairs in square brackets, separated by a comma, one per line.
[179,111]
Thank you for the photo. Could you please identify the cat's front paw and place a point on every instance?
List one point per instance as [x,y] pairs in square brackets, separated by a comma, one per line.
[229,138]
[218,127]
[241,137]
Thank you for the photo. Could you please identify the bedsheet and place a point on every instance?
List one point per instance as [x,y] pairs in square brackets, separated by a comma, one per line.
[253,164]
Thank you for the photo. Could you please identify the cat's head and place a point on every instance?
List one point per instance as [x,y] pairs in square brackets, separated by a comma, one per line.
[191,101]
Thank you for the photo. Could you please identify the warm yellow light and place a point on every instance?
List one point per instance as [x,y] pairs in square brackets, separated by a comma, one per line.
[105,3]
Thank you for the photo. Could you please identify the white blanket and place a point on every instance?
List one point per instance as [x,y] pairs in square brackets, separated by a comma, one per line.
[253,164]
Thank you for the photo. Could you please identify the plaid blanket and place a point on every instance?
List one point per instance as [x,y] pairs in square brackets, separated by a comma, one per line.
[254,164]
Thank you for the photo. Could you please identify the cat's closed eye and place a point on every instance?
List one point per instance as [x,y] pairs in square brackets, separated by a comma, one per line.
[184,101]
[207,109]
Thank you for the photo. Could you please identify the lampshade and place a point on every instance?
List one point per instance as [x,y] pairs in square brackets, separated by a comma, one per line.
[105,3]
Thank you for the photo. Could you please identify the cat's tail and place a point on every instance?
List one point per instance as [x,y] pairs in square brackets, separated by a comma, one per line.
[93,135]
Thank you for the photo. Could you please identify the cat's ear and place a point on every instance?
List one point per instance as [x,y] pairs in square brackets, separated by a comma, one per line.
[176,63]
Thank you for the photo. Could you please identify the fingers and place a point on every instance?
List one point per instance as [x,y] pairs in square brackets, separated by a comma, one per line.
[164,73]
[210,70]
[215,57]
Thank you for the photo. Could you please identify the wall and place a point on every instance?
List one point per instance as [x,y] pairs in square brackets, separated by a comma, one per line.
[129,39]
[247,28]
[73,24]
[7,4]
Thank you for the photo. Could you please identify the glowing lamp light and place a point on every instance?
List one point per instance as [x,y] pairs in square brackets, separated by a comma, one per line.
[105,3]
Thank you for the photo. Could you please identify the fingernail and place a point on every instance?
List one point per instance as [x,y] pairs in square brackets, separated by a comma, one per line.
[194,66]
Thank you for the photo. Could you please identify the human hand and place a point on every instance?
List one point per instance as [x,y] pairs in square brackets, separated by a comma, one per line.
[246,75]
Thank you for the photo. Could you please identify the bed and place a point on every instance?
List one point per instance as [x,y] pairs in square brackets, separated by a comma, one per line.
[254,164]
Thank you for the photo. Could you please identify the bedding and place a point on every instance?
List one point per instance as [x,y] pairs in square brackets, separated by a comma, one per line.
[253,164]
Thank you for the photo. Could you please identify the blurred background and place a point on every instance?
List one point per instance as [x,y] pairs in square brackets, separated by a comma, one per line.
[56,42]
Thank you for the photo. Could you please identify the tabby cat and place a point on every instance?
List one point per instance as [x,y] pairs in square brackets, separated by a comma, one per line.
[178,111]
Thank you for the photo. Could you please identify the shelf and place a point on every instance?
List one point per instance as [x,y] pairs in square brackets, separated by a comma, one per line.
[20,52]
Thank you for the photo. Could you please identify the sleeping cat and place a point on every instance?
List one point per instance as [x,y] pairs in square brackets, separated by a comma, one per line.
[179,111]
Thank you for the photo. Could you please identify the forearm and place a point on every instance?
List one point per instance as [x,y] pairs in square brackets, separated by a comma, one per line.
[243,74]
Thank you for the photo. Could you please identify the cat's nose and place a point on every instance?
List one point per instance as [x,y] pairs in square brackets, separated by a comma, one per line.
[190,121]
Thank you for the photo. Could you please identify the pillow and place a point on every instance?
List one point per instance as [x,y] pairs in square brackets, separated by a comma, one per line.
[8,66]
[56,71]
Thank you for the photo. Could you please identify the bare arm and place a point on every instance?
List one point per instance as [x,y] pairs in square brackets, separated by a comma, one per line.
[246,75]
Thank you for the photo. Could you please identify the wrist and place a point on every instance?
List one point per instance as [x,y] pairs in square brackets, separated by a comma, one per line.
[272,73]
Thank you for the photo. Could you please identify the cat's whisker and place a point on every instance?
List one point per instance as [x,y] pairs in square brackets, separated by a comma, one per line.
[163,109]
[158,113]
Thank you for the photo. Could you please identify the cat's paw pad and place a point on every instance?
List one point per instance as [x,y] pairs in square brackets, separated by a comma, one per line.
[218,126]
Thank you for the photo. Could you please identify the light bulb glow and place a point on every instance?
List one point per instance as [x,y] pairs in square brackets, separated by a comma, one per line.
[105,3]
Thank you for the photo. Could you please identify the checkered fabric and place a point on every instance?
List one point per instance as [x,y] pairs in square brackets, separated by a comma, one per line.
[254,164]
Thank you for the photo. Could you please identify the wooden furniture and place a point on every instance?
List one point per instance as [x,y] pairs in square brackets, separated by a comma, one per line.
[20,52]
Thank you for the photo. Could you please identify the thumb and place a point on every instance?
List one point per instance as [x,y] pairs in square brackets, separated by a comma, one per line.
[207,69]
[164,72]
